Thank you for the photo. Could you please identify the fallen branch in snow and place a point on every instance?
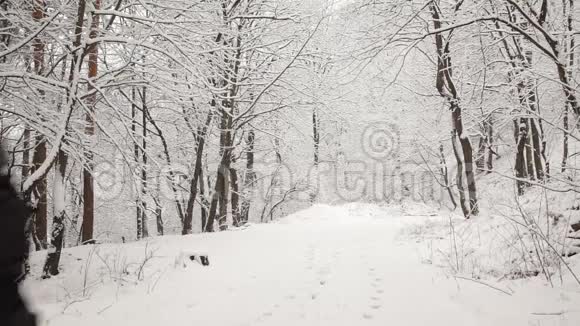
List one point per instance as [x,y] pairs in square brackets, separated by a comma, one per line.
[559,313]
[482,283]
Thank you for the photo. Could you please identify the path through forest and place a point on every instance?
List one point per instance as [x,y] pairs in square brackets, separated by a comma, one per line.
[345,265]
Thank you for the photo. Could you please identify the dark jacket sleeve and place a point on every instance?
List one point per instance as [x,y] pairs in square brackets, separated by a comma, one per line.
[13,215]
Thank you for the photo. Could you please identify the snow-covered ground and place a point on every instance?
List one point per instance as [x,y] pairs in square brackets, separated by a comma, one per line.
[355,264]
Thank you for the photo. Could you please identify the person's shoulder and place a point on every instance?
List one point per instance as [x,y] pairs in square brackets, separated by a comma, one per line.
[13,215]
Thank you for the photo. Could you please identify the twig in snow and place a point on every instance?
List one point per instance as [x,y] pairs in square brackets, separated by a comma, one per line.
[482,283]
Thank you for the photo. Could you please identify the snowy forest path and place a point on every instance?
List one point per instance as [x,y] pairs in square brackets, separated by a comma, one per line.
[323,266]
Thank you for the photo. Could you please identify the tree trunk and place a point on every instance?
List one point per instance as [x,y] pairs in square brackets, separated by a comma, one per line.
[222,189]
[446,87]
[143,217]
[249,179]
[158,207]
[316,139]
[136,156]
[480,159]
[222,186]
[29,229]
[209,227]
[58,220]
[316,136]
[25,153]
[159,219]
[521,170]
[204,202]
[490,150]
[88,180]
[537,150]
[40,196]
[565,139]
[459,177]
[235,197]
[445,175]
[197,176]
[40,213]
[529,151]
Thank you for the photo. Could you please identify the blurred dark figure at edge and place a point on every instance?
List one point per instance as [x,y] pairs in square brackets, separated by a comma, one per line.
[13,249]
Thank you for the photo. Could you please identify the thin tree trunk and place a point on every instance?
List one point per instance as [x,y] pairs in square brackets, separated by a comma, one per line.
[480,159]
[235,197]
[316,140]
[209,227]
[197,174]
[204,202]
[250,177]
[521,171]
[158,207]
[537,150]
[569,46]
[566,126]
[136,156]
[316,136]
[144,225]
[222,189]
[25,153]
[490,150]
[445,174]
